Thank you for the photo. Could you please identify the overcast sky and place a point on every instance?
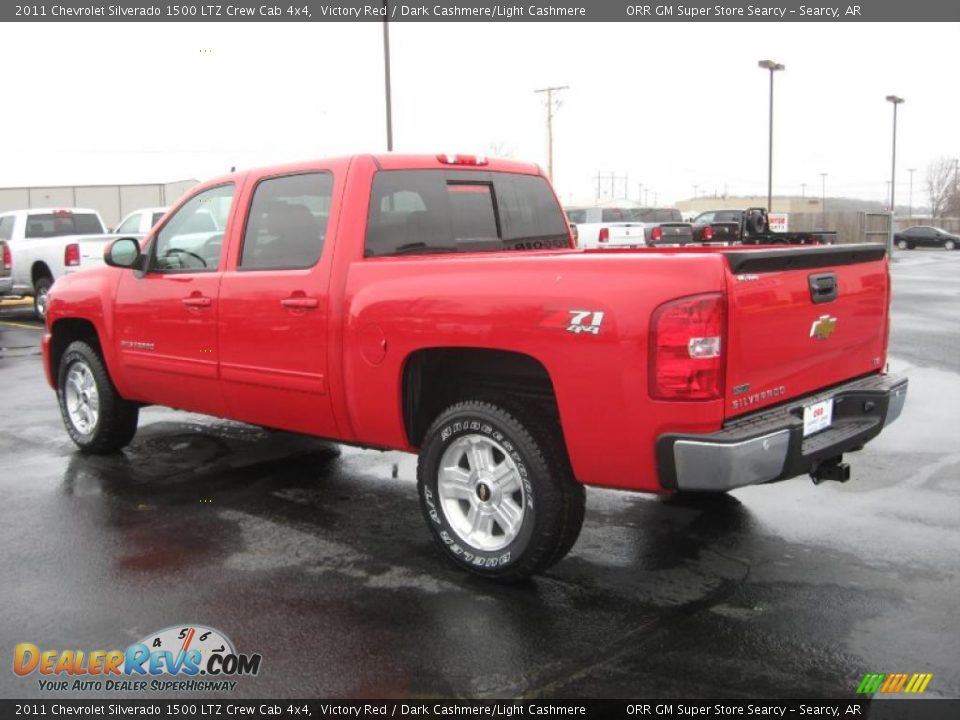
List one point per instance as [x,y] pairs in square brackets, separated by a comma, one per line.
[670,105]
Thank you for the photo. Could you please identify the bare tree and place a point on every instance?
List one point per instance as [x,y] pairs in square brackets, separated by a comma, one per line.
[941,185]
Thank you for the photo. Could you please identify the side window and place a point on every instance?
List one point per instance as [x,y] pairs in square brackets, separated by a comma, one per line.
[192,239]
[156,218]
[130,225]
[287,223]
[6,227]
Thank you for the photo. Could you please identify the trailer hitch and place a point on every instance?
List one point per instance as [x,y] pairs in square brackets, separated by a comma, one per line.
[831,469]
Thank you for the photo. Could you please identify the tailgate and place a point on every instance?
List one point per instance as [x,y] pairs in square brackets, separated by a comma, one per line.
[626,235]
[801,320]
[91,249]
[681,233]
[725,232]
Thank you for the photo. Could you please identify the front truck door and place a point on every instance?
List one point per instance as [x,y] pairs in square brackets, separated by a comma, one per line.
[166,317]
[274,309]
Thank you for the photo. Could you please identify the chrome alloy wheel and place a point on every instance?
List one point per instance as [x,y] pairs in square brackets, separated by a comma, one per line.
[481,492]
[82,398]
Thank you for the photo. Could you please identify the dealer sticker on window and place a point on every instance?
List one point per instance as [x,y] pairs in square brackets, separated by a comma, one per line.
[818,416]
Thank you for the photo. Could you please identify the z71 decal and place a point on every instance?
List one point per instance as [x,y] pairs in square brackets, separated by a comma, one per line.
[585,321]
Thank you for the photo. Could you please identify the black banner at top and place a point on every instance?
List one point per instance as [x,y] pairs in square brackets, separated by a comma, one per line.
[482,11]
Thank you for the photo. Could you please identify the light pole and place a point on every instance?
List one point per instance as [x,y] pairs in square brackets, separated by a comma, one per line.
[803,190]
[695,188]
[823,194]
[386,73]
[910,205]
[893,173]
[772,67]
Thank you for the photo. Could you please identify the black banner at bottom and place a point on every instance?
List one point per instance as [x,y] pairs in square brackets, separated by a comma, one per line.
[888,709]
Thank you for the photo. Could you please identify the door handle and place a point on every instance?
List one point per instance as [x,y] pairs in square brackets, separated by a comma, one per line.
[196,301]
[300,302]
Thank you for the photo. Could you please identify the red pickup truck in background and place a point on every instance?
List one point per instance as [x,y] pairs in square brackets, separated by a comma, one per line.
[436,304]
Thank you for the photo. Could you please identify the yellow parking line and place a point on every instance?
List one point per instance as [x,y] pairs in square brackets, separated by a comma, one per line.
[41,328]
[16,303]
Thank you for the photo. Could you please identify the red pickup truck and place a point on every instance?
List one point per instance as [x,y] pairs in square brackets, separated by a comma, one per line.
[436,304]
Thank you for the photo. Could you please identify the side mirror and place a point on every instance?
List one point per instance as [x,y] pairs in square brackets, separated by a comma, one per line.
[122,253]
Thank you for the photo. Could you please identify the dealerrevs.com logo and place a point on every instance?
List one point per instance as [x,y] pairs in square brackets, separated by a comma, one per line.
[178,658]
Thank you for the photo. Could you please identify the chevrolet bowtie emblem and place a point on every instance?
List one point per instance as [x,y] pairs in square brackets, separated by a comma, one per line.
[823,327]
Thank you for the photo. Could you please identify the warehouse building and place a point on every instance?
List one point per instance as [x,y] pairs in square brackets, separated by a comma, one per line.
[113,202]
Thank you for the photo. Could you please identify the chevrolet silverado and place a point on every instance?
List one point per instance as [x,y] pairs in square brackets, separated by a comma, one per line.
[436,304]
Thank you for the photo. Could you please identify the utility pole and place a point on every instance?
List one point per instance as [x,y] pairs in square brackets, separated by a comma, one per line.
[695,188]
[552,107]
[803,190]
[646,198]
[640,193]
[386,73]
[894,100]
[823,193]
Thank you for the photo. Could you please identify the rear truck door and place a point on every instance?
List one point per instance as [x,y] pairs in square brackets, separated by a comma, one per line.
[274,302]
[802,320]
[166,316]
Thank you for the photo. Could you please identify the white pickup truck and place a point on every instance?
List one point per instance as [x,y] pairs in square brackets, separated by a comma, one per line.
[45,244]
[615,227]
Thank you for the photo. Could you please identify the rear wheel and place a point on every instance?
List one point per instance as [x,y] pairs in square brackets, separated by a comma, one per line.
[97,419]
[40,289]
[497,491]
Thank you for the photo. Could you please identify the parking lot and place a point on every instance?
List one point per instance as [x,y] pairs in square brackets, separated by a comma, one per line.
[317,557]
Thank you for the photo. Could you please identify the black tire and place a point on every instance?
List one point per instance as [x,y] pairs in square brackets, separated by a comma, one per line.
[40,289]
[950,245]
[903,244]
[552,501]
[116,420]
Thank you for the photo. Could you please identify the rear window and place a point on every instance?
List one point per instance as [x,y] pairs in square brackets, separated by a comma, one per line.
[657,215]
[577,216]
[616,215]
[42,225]
[726,216]
[430,211]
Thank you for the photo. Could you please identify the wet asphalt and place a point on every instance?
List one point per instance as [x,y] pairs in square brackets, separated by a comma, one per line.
[317,558]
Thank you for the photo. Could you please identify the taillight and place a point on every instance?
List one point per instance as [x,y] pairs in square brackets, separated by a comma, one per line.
[7,257]
[462,159]
[656,234]
[71,255]
[686,348]
[604,235]
[708,233]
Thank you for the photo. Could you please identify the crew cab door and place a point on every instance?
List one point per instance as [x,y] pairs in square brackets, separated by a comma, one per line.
[274,304]
[166,316]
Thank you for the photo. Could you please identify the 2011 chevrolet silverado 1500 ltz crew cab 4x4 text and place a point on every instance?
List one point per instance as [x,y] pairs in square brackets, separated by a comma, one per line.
[436,304]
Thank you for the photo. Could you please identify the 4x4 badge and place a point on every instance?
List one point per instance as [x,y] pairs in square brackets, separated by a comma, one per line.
[823,327]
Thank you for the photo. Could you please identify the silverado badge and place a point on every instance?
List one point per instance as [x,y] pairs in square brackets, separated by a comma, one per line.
[823,327]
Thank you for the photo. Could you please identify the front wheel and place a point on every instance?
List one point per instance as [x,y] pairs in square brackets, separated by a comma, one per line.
[497,491]
[903,244]
[97,419]
[950,245]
